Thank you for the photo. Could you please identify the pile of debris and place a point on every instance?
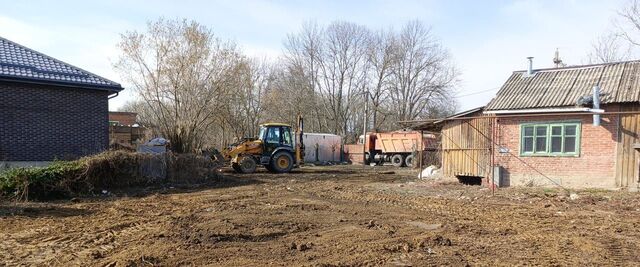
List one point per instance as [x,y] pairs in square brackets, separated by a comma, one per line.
[105,171]
[431,172]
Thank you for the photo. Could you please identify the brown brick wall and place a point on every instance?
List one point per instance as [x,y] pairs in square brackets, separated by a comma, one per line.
[42,123]
[594,167]
[124,118]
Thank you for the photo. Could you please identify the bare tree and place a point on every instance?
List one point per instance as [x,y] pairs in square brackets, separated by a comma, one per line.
[407,74]
[243,108]
[181,72]
[343,71]
[301,69]
[381,59]
[628,23]
[197,90]
[423,74]
[610,47]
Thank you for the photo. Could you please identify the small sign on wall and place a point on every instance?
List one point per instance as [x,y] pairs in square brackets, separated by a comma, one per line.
[503,150]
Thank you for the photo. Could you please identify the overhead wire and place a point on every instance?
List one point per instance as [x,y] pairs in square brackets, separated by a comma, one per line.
[478,92]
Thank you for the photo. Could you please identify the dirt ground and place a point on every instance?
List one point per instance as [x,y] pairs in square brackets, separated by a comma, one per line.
[326,216]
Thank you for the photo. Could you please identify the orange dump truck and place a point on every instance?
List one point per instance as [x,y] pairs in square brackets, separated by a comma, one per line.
[395,147]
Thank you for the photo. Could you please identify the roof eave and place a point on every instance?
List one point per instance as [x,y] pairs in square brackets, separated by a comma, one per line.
[113,88]
[542,110]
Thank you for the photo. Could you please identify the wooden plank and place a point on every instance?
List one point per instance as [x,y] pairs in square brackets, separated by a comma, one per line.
[619,152]
[625,151]
[632,151]
[627,156]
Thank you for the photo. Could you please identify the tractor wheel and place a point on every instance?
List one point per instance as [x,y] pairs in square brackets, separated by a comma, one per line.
[268,167]
[236,167]
[408,161]
[247,165]
[282,162]
[367,158]
[397,160]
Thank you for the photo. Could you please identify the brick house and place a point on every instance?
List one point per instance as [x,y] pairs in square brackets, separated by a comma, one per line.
[122,118]
[124,130]
[49,109]
[539,130]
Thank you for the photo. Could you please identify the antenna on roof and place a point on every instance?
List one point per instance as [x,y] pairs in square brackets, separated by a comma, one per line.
[557,60]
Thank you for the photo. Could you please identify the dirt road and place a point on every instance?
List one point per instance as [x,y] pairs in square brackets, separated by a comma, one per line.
[326,216]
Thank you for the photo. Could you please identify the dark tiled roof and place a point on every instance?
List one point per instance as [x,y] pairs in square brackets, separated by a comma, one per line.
[19,63]
[619,83]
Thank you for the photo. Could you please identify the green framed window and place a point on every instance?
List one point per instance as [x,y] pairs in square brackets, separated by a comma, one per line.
[550,139]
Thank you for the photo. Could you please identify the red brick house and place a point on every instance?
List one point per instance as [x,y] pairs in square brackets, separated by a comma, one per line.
[49,109]
[122,118]
[124,130]
[539,130]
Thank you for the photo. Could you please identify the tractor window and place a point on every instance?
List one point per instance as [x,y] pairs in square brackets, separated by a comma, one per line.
[273,135]
[286,140]
[262,132]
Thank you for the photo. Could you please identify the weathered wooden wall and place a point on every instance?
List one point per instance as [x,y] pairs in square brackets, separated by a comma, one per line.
[125,134]
[628,158]
[466,146]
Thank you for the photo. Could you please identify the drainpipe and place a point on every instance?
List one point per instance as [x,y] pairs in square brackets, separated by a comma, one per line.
[596,105]
[112,96]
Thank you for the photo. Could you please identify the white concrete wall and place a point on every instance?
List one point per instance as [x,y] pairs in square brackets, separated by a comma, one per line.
[322,147]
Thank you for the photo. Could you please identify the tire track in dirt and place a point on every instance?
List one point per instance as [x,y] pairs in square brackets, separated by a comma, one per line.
[342,218]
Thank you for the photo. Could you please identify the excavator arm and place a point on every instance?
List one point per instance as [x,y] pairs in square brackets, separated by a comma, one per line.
[300,141]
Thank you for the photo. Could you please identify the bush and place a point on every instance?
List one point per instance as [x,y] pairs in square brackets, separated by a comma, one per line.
[41,182]
[108,170]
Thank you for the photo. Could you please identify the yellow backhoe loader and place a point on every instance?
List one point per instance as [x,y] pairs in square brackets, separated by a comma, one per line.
[276,148]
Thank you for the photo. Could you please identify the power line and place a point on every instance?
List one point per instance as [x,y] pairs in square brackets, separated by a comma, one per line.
[479,92]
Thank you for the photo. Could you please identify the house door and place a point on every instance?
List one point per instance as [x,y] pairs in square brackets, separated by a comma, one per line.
[628,151]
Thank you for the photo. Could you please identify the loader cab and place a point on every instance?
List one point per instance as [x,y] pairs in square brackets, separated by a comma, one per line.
[274,136]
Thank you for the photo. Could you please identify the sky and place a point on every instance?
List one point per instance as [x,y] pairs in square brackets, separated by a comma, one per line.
[487,39]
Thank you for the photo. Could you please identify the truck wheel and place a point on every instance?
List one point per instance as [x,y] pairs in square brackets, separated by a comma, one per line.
[397,160]
[408,161]
[282,162]
[247,165]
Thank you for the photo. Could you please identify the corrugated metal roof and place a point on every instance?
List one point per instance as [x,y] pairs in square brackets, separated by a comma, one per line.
[19,63]
[563,86]
[431,124]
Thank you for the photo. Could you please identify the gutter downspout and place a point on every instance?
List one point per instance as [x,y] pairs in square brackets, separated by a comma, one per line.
[596,105]
[112,96]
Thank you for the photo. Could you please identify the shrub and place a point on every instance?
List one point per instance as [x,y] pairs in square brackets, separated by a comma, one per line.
[41,182]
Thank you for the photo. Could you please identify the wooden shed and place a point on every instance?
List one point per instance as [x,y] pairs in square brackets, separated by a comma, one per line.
[466,145]
[465,140]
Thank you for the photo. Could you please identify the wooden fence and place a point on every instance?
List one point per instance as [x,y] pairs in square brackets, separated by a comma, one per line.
[466,147]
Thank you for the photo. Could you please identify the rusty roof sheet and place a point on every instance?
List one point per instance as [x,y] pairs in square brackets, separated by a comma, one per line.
[563,86]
